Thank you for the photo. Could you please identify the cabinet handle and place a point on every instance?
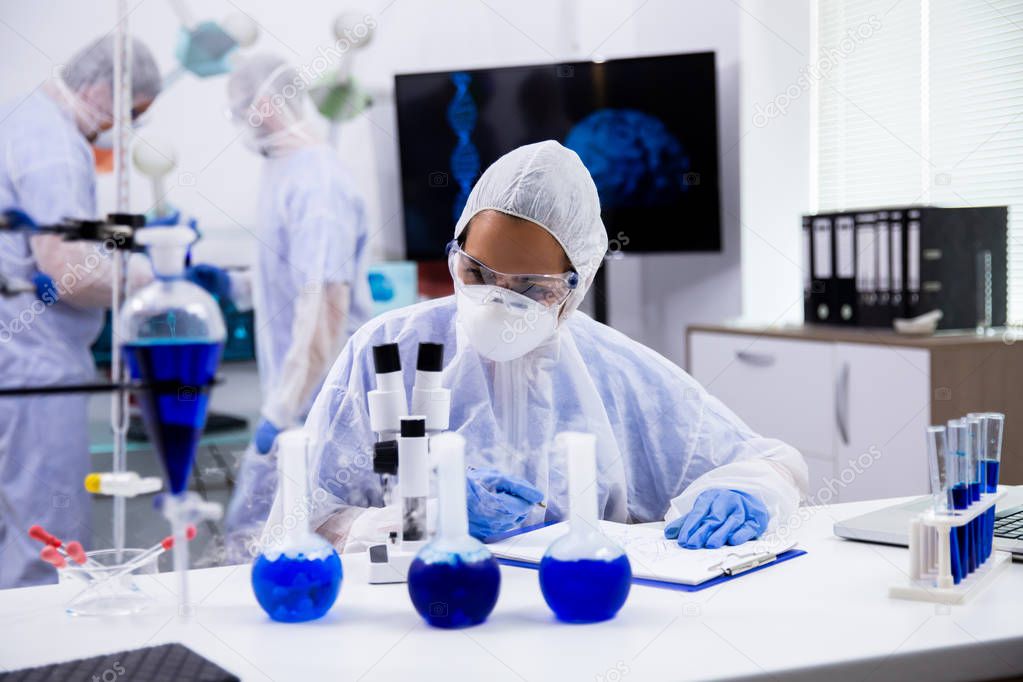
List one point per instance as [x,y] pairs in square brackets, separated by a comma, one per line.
[755,359]
[842,404]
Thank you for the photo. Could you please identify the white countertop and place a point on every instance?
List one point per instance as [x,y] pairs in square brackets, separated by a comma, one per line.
[826,614]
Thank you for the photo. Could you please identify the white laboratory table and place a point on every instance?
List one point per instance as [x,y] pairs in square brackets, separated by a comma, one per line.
[825,615]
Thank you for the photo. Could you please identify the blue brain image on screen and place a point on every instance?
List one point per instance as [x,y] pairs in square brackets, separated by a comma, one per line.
[633,157]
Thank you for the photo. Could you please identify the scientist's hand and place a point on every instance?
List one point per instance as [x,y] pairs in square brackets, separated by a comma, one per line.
[211,278]
[266,434]
[46,289]
[497,502]
[719,517]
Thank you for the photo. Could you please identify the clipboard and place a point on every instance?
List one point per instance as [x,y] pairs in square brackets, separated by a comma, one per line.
[727,571]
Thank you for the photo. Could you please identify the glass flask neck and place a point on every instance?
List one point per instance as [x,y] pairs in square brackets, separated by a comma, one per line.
[293,482]
[449,449]
[580,451]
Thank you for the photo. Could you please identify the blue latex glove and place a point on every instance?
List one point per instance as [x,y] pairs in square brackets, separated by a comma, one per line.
[266,433]
[497,502]
[46,290]
[17,219]
[719,517]
[212,279]
[169,220]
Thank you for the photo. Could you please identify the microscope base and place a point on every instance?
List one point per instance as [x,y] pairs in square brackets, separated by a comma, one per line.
[390,563]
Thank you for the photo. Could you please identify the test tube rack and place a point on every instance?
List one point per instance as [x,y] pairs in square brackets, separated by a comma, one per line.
[930,557]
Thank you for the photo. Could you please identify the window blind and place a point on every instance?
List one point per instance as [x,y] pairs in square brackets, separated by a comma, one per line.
[922,102]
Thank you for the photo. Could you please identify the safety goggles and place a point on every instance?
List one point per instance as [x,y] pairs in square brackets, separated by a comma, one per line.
[550,290]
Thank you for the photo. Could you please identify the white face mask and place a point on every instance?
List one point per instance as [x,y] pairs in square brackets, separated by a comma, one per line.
[501,324]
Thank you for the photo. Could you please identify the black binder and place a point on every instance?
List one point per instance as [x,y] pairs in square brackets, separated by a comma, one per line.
[907,261]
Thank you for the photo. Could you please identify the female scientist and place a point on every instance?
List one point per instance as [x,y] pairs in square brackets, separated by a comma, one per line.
[523,365]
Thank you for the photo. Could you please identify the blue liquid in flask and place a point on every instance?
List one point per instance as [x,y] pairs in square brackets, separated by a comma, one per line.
[174,413]
[585,590]
[293,587]
[454,589]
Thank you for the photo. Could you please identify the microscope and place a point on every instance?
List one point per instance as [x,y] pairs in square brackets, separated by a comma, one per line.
[402,450]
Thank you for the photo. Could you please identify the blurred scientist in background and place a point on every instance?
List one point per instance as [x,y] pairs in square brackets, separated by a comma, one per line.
[49,143]
[311,289]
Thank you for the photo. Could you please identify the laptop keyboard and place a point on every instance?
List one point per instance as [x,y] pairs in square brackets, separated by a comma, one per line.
[1009,524]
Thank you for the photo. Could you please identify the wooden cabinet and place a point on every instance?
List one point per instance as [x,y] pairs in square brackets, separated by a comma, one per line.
[856,403]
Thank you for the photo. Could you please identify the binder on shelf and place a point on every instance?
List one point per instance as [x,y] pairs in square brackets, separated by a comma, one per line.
[869,313]
[898,253]
[912,264]
[823,268]
[884,267]
[844,283]
[807,265]
[963,265]
[870,266]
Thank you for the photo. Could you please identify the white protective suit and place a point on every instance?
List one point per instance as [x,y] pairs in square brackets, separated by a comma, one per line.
[661,438]
[311,289]
[47,171]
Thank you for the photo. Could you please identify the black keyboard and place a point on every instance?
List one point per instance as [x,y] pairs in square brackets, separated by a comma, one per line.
[1009,524]
[164,663]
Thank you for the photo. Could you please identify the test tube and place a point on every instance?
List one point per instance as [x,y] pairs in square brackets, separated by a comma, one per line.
[974,448]
[937,462]
[942,470]
[976,485]
[993,430]
[960,486]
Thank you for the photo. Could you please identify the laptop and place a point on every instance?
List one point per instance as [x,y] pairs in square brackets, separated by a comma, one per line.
[890,526]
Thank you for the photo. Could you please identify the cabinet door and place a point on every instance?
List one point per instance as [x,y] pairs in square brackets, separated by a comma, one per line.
[782,388]
[882,397]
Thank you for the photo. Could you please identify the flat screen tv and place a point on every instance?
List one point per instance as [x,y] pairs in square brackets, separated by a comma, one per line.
[646,128]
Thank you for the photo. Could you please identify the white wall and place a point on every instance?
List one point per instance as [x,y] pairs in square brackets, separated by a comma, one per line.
[775,158]
[653,297]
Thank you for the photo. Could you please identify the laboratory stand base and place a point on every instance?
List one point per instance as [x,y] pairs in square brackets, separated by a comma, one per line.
[924,590]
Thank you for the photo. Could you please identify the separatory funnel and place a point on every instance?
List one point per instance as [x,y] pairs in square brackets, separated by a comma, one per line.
[584,576]
[298,576]
[454,579]
[173,335]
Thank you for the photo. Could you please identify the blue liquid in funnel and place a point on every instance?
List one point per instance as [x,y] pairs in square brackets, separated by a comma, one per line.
[175,413]
[585,590]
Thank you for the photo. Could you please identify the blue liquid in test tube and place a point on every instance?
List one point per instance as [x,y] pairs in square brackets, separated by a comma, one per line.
[992,429]
[974,485]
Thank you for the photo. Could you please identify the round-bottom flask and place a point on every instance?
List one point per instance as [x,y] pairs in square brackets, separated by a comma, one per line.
[454,580]
[584,576]
[298,584]
[298,577]
[585,579]
[454,584]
